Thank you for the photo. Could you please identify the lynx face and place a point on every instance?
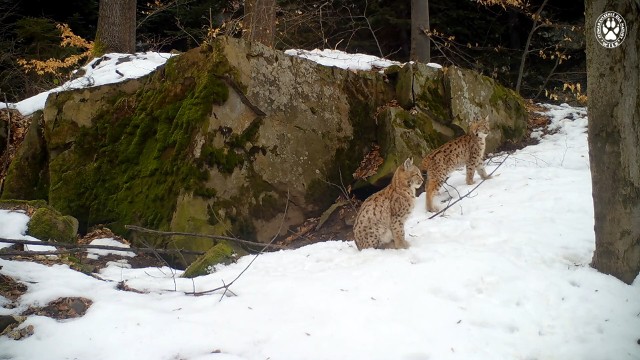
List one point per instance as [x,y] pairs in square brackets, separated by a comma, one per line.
[480,127]
[409,177]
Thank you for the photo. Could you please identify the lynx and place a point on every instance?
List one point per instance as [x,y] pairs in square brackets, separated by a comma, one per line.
[380,221]
[467,149]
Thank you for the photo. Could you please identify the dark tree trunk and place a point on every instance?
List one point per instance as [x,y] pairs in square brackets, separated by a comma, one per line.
[260,21]
[613,81]
[420,43]
[116,27]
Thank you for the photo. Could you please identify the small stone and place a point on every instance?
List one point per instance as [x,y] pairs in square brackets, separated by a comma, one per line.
[6,321]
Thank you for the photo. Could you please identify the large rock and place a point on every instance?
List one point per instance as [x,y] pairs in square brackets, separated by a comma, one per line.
[221,253]
[27,176]
[452,97]
[47,224]
[224,138]
[475,96]
[401,134]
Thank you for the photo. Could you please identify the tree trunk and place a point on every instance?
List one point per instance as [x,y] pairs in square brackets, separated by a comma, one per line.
[420,43]
[116,27]
[260,21]
[614,141]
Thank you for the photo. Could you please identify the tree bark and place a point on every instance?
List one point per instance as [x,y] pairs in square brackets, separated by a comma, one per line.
[260,20]
[116,30]
[614,141]
[420,42]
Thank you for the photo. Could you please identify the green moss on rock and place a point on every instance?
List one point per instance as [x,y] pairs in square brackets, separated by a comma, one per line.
[222,253]
[131,165]
[48,224]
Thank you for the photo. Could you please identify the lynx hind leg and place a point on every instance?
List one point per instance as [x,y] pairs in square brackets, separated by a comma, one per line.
[372,235]
[431,190]
[397,228]
[471,170]
[483,173]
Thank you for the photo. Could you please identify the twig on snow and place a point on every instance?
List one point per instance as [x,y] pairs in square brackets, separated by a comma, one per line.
[470,191]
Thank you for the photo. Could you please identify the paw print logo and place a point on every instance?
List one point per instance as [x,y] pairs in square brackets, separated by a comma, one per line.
[611,29]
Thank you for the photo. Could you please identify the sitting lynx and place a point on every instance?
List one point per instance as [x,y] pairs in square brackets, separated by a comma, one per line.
[380,221]
[467,149]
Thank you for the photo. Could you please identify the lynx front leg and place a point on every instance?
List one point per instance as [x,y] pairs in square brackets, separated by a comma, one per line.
[471,170]
[397,228]
[431,189]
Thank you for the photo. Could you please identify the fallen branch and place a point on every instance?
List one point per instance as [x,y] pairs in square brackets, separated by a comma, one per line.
[80,247]
[470,191]
[226,286]
[216,237]
[39,253]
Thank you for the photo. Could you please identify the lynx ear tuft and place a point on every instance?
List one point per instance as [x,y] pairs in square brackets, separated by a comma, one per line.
[408,163]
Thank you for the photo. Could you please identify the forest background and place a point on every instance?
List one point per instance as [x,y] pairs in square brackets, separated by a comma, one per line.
[491,39]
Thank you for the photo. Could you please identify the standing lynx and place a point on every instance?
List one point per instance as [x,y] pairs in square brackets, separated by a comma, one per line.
[467,149]
[380,221]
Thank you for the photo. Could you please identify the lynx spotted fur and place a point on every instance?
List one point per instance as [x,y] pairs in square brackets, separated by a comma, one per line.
[467,149]
[380,221]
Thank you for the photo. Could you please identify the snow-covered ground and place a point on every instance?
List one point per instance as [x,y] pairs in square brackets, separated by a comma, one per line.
[503,275]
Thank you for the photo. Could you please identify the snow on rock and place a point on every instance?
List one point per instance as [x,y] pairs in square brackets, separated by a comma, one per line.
[342,59]
[108,69]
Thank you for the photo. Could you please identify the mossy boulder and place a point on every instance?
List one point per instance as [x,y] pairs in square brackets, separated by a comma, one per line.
[454,96]
[221,253]
[223,138]
[48,224]
[402,134]
[27,176]
[476,96]
[422,86]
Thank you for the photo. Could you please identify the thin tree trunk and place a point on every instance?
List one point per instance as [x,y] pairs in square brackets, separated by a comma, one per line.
[420,42]
[614,141]
[260,21]
[116,30]
[523,59]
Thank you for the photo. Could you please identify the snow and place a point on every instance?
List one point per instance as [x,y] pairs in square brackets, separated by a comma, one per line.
[13,225]
[108,69]
[504,274]
[342,59]
[96,253]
